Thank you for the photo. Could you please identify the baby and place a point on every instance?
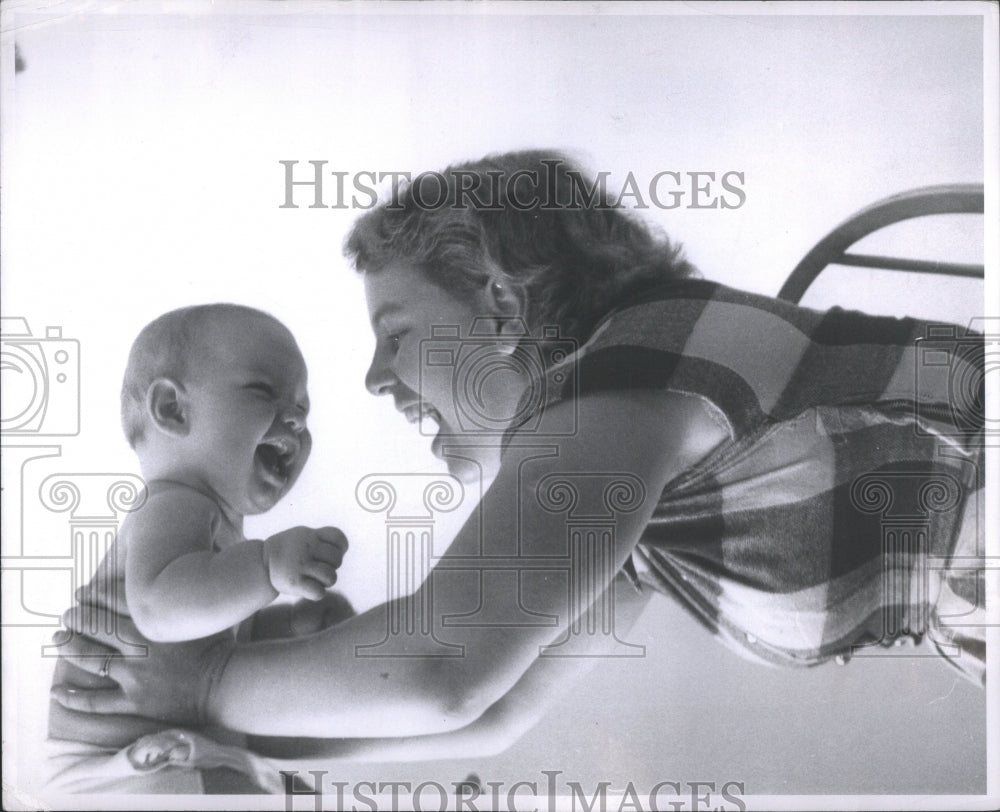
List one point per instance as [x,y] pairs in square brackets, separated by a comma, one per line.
[214,403]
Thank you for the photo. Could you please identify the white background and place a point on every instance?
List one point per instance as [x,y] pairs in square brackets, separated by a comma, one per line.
[140,173]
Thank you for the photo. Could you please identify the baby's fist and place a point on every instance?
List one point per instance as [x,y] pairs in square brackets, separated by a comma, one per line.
[303,561]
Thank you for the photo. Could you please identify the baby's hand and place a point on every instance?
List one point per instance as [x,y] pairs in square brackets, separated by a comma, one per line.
[303,561]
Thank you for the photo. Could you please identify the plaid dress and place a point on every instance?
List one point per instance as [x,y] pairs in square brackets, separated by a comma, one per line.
[845,510]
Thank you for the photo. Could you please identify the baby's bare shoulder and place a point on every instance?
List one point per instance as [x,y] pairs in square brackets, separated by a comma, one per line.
[173,507]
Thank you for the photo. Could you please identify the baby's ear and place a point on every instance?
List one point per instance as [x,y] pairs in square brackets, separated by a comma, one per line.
[166,407]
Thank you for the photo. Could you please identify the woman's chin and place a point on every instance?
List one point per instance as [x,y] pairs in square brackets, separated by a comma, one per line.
[467,463]
[465,470]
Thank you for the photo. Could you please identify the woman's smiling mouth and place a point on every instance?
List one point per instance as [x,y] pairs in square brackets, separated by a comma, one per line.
[418,411]
[430,421]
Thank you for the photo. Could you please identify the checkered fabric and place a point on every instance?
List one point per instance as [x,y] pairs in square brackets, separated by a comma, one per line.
[845,511]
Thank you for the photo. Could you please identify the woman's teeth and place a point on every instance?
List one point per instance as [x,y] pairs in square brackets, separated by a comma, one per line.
[419,412]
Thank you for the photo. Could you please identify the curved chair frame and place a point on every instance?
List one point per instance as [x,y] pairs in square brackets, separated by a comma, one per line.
[928,200]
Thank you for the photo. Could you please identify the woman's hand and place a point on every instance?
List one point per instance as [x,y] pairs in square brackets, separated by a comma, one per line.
[284,620]
[170,683]
[309,617]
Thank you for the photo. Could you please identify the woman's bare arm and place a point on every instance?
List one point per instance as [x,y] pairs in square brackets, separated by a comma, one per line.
[335,689]
[547,681]
[327,685]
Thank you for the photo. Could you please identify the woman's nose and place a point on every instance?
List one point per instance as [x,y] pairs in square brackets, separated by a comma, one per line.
[379,377]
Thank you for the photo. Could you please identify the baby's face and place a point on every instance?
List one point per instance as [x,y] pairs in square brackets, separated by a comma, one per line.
[248,405]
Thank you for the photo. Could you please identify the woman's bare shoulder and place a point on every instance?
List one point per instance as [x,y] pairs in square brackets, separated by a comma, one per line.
[655,433]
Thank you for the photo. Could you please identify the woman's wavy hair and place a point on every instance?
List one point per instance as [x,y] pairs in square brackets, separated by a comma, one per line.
[530,219]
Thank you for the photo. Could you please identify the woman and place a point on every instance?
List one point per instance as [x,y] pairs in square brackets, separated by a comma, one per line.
[741,454]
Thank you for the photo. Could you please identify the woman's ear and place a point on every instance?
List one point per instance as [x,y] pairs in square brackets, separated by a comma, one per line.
[167,407]
[504,298]
[506,303]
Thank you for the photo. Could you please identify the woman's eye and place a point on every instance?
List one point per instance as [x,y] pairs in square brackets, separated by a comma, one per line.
[263,388]
[395,340]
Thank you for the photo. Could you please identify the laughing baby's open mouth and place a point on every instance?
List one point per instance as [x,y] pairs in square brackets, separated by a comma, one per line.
[276,455]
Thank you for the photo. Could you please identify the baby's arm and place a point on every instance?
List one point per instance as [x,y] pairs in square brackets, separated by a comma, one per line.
[177,587]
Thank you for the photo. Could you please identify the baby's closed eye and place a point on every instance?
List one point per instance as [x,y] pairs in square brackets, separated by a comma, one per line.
[261,386]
